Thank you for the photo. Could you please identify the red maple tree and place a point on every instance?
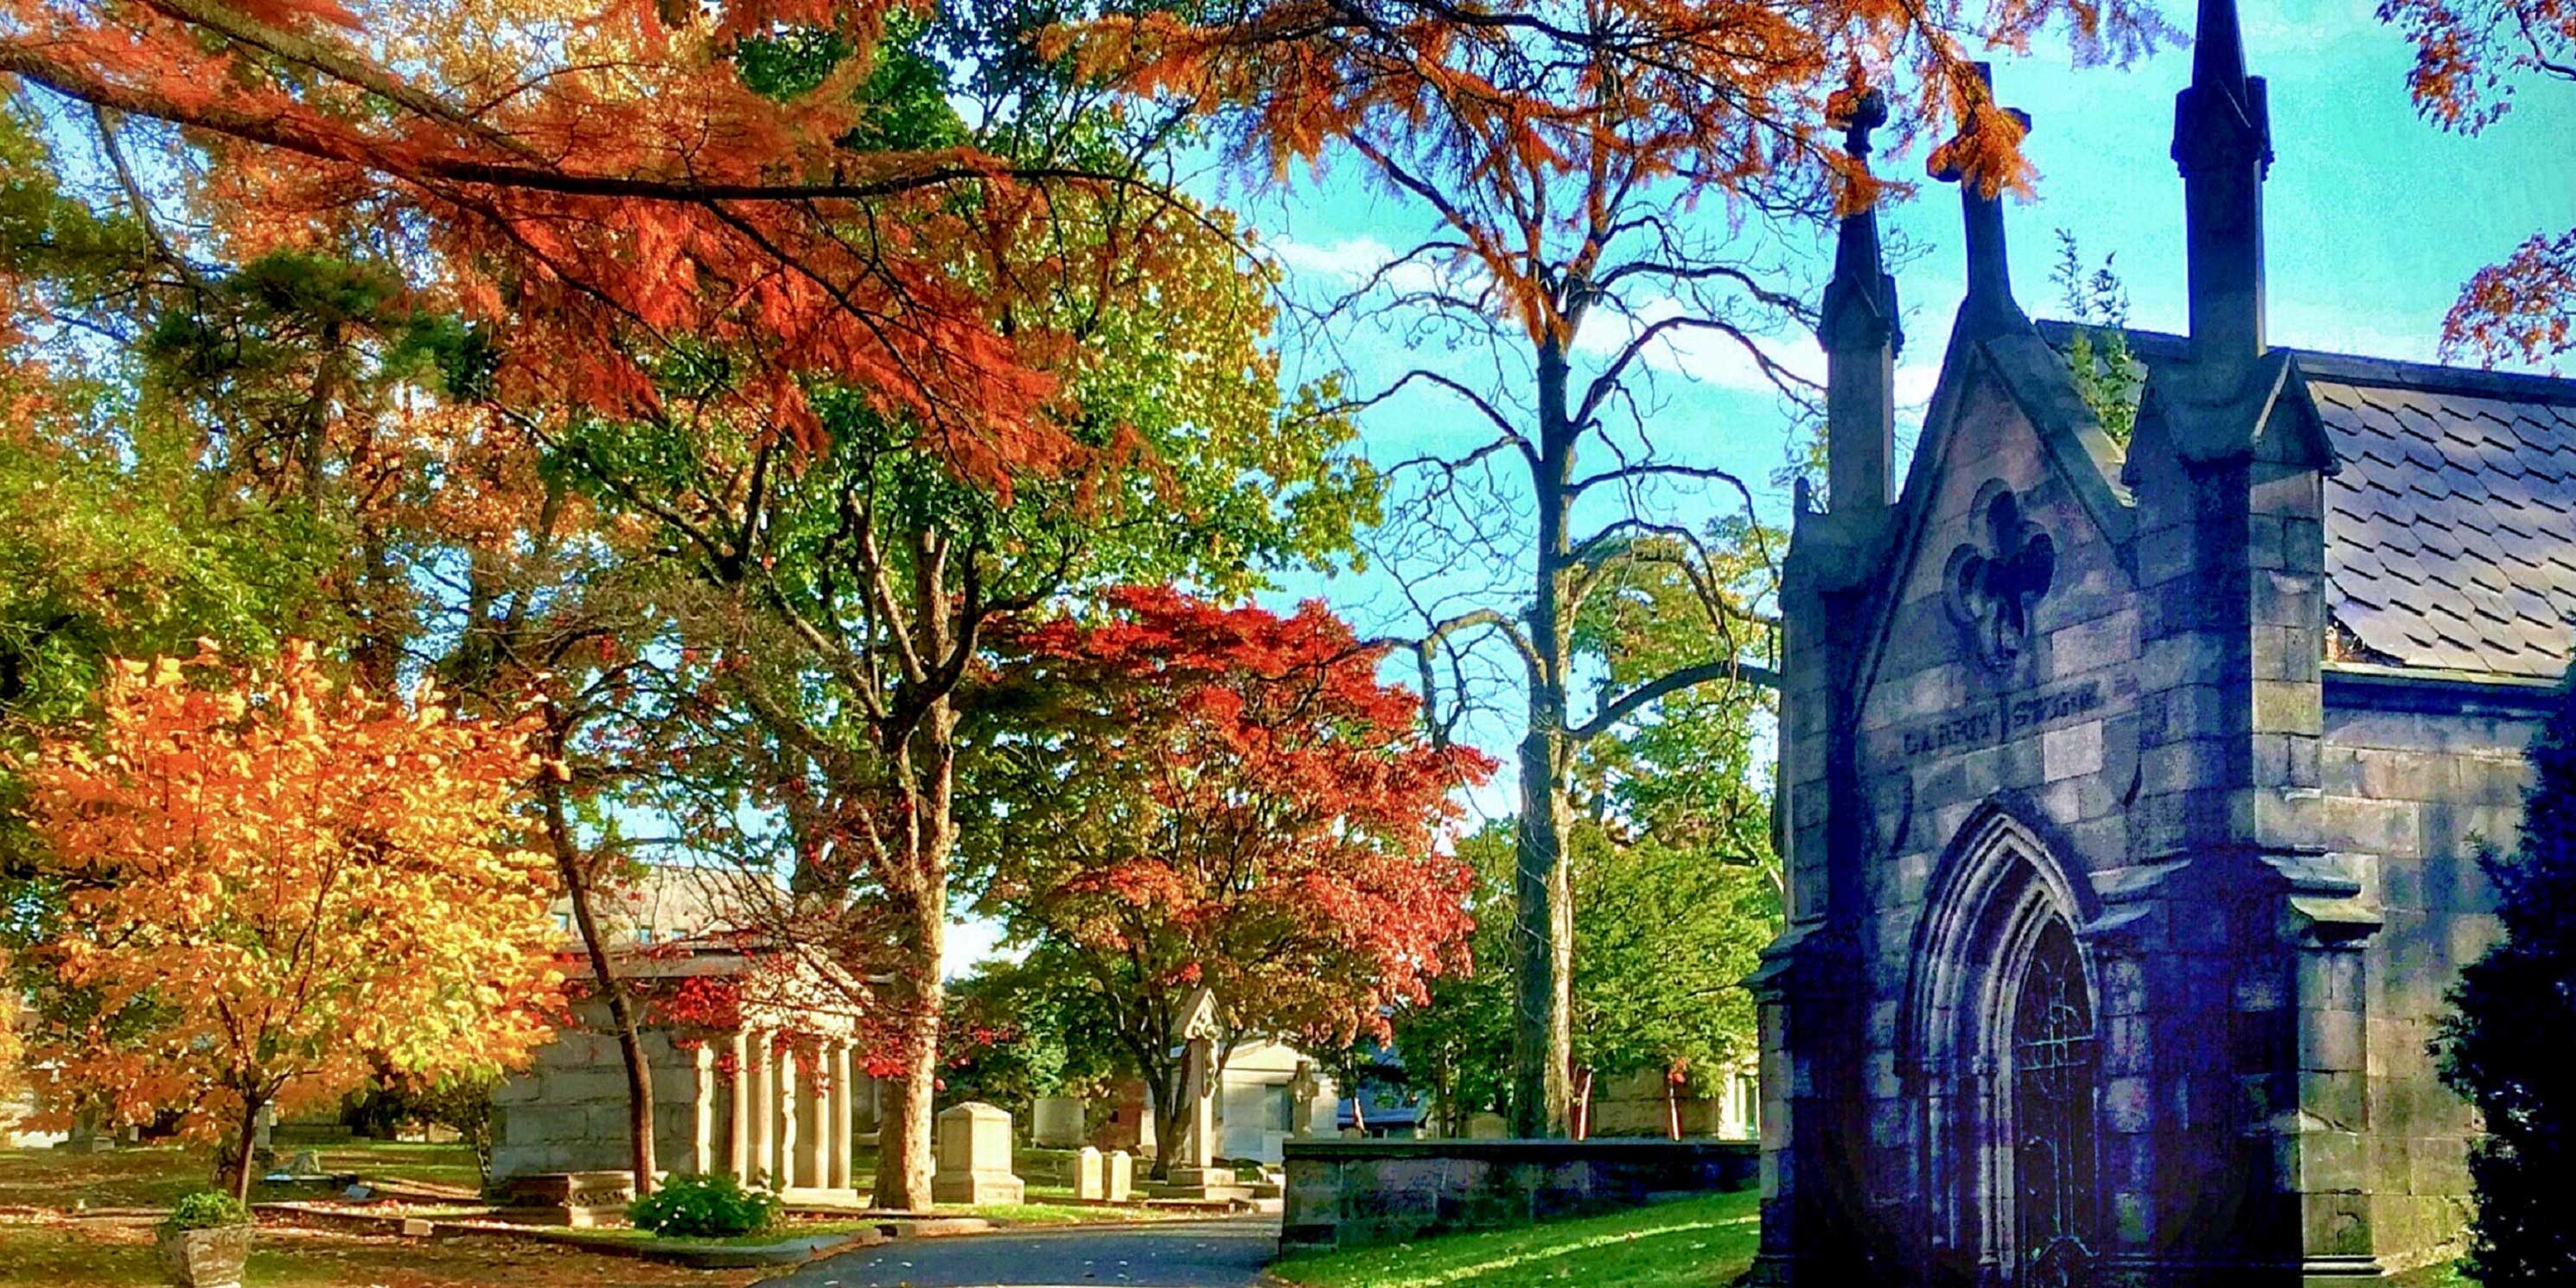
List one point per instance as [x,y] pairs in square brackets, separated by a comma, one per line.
[1190,795]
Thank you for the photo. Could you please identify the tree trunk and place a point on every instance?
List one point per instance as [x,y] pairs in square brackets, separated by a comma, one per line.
[1672,1108]
[621,1011]
[927,770]
[1583,1105]
[904,1132]
[242,1148]
[1170,1089]
[1543,925]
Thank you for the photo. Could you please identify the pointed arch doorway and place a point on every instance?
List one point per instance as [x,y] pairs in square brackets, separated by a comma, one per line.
[2001,1063]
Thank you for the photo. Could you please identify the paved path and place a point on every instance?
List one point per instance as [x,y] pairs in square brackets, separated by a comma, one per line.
[1166,1254]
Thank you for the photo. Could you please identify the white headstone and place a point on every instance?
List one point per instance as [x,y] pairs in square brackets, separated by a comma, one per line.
[1119,1175]
[1090,1178]
[972,1150]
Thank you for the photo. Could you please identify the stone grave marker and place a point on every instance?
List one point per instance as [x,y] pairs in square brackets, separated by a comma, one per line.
[973,1156]
[1056,1122]
[1089,1180]
[1119,1175]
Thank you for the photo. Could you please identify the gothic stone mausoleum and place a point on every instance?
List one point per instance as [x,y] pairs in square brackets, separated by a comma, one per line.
[2132,794]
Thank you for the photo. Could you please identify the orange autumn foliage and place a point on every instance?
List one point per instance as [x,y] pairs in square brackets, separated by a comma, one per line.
[594,180]
[274,885]
[2469,57]
[1543,132]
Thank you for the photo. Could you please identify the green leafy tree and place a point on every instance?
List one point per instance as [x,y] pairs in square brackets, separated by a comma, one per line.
[1668,934]
[826,606]
[2107,376]
[1018,1030]
[2505,1045]
[1672,880]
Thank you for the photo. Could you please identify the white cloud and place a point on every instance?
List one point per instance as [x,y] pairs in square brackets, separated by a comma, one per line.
[1352,260]
[970,942]
[1701,353]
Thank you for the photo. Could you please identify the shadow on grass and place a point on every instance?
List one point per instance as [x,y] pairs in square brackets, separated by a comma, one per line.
[1691,1243]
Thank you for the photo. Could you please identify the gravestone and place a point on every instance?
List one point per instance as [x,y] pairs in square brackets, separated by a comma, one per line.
[1308,1113]
[973,1157]
[1488,1127]
[1090,1181]
[1194,1173]
[577,1199]
[1056,1122]
[1118,1175]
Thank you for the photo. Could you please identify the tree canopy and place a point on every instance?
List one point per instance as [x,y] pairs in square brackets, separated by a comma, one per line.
[277,884]
[1182,796]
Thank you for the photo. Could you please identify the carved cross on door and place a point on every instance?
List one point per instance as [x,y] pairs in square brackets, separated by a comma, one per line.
[1992,591]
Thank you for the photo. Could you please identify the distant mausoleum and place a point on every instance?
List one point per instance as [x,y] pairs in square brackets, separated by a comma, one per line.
[767,1083]
[2131,793]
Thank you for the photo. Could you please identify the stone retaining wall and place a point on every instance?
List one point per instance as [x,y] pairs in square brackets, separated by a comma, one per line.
[1355,1193]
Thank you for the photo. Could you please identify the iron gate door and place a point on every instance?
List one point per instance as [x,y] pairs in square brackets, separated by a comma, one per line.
[2054,1148]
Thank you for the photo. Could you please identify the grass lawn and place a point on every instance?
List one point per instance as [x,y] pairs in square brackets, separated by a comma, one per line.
[58,1178]
[1690,1243]
[156,1175]
[53,1252]
[1044,1213]
[998,1213]
[385,1160]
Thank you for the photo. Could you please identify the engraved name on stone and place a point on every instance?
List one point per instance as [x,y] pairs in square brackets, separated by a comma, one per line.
[1991,723]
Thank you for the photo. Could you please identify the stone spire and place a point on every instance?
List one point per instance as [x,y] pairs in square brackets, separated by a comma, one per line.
[2223,145]
[1990,309]
[1861,332]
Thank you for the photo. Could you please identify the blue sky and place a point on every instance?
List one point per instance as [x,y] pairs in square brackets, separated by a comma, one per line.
[2374,219]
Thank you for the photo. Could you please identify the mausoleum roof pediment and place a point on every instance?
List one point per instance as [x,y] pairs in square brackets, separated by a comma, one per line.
[2037,398]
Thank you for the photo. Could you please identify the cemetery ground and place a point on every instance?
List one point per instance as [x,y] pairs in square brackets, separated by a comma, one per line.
[1686,1243]
[85,1220]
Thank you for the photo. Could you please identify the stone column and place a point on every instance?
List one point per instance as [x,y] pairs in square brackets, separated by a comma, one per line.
[814,1121]
[764,1118]
[738,1130]
[1198,1116]
[783,1109]
[841,1109]
[702,1111]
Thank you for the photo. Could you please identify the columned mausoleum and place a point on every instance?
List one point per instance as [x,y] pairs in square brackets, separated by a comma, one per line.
[2131,792]
[768,1086]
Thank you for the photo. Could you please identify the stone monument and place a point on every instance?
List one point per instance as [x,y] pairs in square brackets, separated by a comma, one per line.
[1303,1092]
[1090,1179]
[1057,1122]
[972,1153]
[1194,1172]
[1118,1175]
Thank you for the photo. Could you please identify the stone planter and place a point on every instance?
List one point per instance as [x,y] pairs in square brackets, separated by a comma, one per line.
[205,1258]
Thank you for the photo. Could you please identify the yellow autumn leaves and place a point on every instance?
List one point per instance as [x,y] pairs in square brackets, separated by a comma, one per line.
[277,884]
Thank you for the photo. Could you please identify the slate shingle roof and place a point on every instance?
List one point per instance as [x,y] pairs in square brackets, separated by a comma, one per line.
[2451,527]
[2451,522]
